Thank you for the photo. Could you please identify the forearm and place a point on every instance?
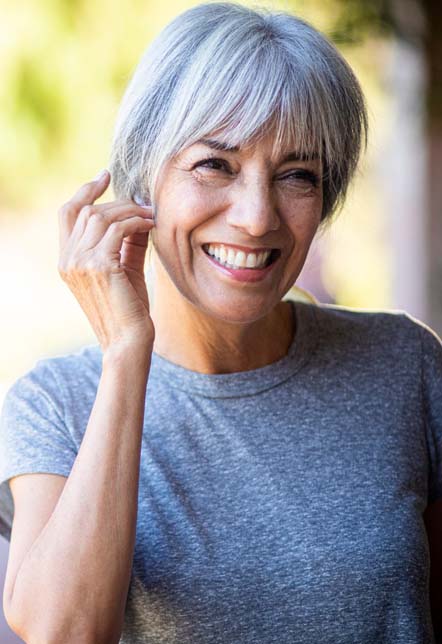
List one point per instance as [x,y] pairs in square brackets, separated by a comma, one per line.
[73,583]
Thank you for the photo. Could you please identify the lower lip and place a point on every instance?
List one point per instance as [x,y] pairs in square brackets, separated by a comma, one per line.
[242,274]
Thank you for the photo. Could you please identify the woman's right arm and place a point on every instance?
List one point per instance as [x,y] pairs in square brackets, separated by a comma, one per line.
[72,583]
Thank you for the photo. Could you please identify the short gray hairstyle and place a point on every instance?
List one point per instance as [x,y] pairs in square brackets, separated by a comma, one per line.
[241,73]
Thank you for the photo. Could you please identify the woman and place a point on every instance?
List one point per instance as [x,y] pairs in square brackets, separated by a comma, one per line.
[225,465]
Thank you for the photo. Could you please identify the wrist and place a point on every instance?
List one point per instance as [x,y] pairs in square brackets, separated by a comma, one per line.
[129,352]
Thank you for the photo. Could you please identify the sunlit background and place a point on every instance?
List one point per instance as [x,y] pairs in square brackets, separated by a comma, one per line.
[64,65]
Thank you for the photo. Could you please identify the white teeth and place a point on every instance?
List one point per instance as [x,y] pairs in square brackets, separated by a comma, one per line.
[231,256]
[238,259]
[251,260]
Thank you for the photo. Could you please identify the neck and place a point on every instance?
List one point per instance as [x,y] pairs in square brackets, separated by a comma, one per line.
[194,340]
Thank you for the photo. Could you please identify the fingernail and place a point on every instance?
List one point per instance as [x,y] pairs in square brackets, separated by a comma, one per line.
[100,175]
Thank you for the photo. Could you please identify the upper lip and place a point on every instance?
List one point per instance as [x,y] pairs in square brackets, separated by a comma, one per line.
[246,249]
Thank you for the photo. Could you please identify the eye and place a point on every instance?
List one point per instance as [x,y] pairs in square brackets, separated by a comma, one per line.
[213,164]
[302,176]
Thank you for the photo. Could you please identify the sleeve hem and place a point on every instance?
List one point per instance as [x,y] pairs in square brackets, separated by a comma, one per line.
[6,500]
[34,469]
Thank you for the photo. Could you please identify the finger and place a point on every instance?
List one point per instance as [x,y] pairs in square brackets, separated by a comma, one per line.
[122,202]
[86,195]
[127,239]
[93,222]
[133,251]
[112,240]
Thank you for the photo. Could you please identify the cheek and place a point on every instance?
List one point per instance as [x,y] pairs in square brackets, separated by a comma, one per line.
[180,211]
[303,227]
[304,222]
[187,207]
[300,205]
[310,225]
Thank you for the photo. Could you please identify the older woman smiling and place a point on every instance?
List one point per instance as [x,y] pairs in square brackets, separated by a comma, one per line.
[224,466]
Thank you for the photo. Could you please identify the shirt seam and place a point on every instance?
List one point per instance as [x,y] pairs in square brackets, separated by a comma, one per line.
[305,359]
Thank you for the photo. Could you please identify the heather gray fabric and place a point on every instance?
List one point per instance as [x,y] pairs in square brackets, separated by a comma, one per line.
[280,505]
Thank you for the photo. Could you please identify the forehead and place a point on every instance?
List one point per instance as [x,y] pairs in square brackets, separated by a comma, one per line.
[267,145]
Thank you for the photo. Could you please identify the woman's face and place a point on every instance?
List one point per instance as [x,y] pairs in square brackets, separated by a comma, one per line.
[241,207]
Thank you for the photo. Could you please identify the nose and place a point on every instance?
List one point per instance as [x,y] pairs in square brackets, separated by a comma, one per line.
[253,209]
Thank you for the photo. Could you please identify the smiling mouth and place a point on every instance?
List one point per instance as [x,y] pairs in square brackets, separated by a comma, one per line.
[241,259]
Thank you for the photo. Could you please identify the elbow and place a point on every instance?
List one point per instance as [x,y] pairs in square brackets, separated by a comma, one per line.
[44,626]
[11,618]
[39,631]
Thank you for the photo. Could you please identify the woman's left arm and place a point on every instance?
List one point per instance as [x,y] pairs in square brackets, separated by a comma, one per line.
[433,524]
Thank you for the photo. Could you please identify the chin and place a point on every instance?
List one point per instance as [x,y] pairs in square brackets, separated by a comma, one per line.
[237,310]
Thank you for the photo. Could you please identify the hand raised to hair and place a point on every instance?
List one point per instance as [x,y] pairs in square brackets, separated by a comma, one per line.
[102,254]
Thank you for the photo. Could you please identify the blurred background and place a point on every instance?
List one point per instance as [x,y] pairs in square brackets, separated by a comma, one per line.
[64,65]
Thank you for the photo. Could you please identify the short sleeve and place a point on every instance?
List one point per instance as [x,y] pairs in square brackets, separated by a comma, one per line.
[33,435]
[432,400]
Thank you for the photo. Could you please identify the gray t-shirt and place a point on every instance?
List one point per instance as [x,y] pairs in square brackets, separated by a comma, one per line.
[281,505]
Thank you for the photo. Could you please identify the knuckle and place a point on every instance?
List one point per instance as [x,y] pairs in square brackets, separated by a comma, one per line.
[93,265]
[72,264]
[71,267]
[96,215]
[66,270]
[89,265]
[62,262]
[115,226]
[93,217]
[101,262]
[80,266]
[66,209]
[87,211]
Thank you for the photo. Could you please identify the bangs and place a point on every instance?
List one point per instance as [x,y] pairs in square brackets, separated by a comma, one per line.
[254,94]
[230,73]
[285,117]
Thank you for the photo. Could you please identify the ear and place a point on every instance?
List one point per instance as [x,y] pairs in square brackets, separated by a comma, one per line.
[139,201]
[145,202]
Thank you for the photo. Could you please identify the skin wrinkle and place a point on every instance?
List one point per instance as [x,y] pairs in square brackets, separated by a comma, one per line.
[219,324]
[273,70]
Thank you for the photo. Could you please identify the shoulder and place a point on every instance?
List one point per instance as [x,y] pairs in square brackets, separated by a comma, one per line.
[86,358]
[52,401]
[54,378]
[391,336]
[369,325]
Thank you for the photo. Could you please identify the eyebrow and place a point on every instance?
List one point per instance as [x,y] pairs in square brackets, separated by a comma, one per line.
[291,156]
[300,156]
[218,145]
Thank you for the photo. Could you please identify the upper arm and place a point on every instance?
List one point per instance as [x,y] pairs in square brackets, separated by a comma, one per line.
[35,497]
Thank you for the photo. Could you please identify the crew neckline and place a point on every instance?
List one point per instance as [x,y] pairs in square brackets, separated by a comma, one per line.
[250,382]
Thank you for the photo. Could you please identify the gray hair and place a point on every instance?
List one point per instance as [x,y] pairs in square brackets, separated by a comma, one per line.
[241,73]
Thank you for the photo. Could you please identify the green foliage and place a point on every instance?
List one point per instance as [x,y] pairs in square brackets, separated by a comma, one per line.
[356,19]
[37,100]
[64,66]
